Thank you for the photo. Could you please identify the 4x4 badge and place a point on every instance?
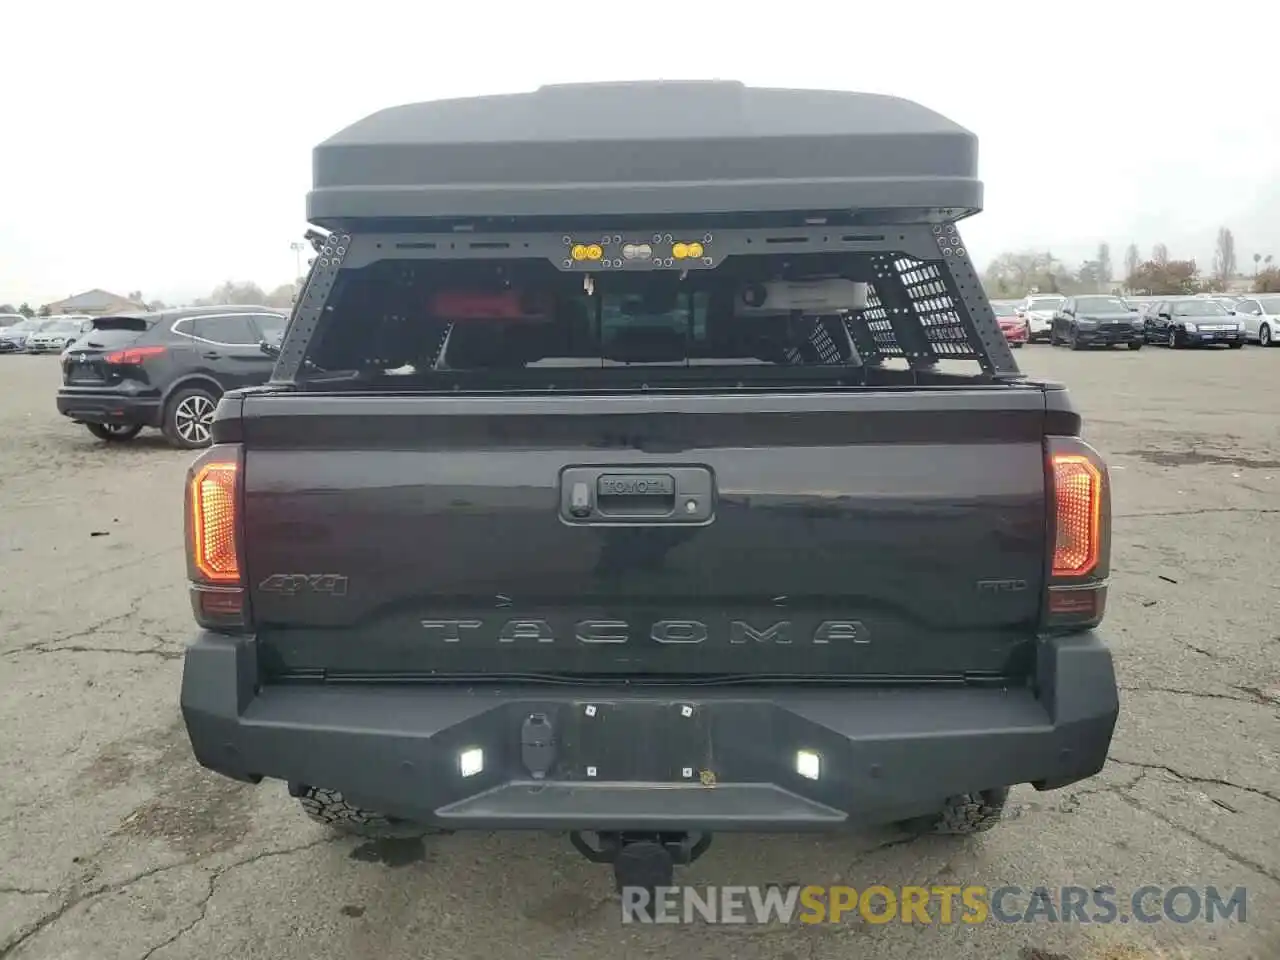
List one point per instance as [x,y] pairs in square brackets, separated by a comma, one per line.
[291,584]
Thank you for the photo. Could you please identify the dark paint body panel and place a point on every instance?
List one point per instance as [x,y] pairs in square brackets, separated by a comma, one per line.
[913,520]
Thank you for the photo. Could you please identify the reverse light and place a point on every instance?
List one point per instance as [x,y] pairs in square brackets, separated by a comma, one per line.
[808,764]
[212,508]
[1077,485]
[131,356]
[471,761]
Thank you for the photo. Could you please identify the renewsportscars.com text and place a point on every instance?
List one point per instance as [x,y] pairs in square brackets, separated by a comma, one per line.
[937,904]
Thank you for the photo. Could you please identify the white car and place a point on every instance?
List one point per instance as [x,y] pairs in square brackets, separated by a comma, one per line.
[1261,316]
[1038,310]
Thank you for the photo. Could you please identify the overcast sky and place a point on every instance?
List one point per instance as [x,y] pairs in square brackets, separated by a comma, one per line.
[167,148]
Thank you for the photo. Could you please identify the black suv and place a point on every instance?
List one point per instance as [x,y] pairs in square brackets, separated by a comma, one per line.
[166,370]
[1097,320]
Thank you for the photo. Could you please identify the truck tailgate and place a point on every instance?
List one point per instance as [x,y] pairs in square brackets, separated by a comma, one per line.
[862,534]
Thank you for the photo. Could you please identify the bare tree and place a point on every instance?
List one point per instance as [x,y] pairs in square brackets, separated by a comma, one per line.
[233,292]
[281,296]
[1160,254]
[1131,260]
[1104,266]
[1224,258]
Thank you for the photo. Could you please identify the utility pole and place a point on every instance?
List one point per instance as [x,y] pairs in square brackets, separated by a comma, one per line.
[297,246]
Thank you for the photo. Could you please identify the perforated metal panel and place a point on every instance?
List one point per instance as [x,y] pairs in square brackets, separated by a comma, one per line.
[926,302]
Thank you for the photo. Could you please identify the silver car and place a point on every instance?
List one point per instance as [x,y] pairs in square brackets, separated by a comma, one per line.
[58,333]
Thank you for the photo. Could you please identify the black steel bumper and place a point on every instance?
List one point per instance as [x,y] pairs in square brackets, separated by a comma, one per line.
[91,405]
[658,758]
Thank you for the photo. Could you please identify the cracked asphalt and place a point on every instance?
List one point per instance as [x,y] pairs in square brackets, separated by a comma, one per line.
[114,844]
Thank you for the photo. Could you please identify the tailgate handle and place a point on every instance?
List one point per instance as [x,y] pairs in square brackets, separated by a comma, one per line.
[637,495]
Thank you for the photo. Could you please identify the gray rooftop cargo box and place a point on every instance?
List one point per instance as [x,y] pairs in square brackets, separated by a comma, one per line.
[651,148]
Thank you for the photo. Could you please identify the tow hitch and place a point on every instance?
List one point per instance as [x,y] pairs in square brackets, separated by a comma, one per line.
[646,860]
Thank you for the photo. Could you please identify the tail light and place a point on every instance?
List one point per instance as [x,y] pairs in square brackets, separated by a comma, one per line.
[1079,488]
[131,356]
[215,539]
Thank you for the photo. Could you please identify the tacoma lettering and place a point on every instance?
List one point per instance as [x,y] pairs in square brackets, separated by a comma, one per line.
[600,632]
[451,630]
[679,631]
[742,632]
[841,631]
[514,630]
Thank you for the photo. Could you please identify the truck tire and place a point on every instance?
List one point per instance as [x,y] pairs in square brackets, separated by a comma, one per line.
[331,809]
[964,814]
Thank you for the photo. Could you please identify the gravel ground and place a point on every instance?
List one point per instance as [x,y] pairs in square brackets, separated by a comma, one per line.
[113,843]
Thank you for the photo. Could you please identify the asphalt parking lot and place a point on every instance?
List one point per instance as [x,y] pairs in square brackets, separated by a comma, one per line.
[113,843]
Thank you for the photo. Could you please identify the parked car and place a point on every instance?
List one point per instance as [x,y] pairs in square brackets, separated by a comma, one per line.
[57,332]
[166,370]
[1261,317]
[1096,320]
[1193,321]
[9,319]
[1015,328]
[13,339]
[1038,310]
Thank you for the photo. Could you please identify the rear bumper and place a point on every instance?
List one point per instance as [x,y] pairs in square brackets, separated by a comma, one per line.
[91,405]
[670,757]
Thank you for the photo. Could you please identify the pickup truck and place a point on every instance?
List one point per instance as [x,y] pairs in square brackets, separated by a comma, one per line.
[643,461]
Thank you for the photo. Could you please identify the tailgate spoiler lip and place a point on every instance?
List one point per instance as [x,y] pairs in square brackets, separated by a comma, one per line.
[975,398]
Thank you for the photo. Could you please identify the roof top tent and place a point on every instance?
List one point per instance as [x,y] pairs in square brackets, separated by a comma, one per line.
[672,176]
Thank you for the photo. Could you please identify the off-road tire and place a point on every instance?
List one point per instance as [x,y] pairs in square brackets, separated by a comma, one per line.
[1134,345]
[117,435]
[331,809]
[964,814]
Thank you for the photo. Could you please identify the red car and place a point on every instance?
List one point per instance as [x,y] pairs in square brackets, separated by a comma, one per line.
[1013,327]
